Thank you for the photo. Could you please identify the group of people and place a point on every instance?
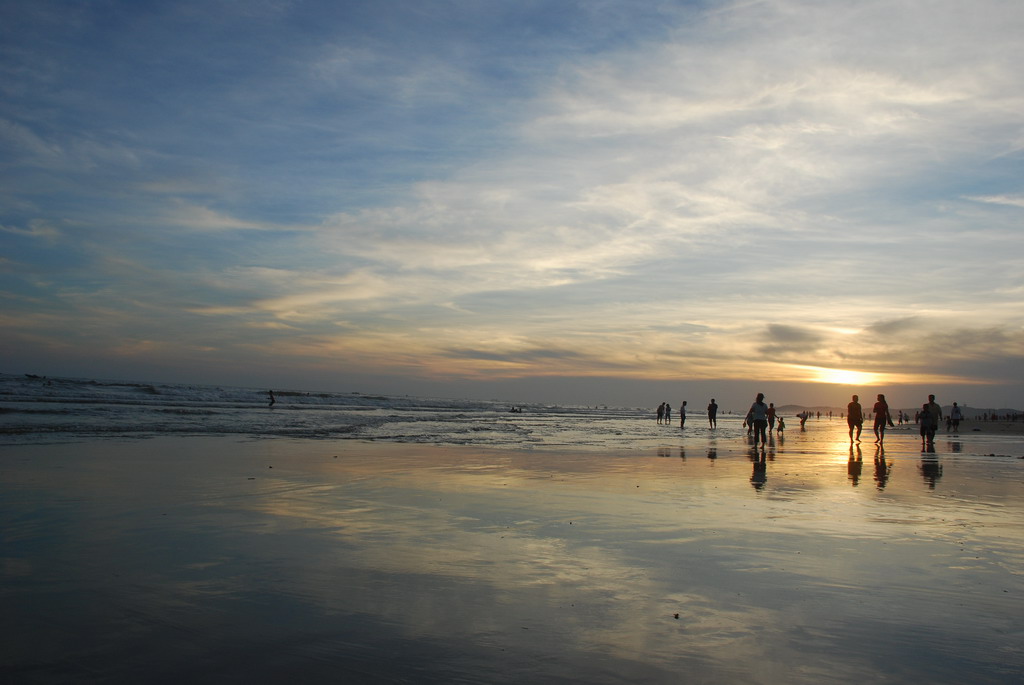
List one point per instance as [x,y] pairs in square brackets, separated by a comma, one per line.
[928,419]
[855,418]
[761,418]
[665,414]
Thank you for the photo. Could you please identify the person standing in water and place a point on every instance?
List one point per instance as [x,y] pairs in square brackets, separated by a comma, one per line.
[956,415]
[758,417]
[927,426]
[854,417]
[272,398]
[882,418]
[682,415]
[713,414]
[934,417]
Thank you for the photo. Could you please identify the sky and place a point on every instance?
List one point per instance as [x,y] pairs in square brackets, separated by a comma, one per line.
[592,202]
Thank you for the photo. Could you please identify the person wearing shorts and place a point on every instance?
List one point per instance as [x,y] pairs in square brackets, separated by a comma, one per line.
[881,410]
[855,417]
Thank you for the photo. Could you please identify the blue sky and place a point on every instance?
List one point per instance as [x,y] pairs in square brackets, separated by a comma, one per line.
[595,202]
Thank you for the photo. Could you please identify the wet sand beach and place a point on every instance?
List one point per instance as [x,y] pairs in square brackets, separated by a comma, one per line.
[228,560]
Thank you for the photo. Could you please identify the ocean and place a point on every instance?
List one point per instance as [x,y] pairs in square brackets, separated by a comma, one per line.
[36,408]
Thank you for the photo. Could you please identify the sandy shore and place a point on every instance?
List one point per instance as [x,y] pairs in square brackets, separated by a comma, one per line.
[219,560]
[1000,427]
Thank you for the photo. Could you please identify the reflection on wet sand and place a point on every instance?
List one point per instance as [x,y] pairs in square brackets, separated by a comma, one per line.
[882,469]
[931,469]
[405,563]
[855,465]
[760,475]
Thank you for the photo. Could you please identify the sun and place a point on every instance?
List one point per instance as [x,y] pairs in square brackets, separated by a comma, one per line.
[843,376]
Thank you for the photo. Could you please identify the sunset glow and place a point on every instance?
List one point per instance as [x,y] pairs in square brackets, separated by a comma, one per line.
[847,377]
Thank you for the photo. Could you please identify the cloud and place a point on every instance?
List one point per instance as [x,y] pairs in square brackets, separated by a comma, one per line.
[1008,200]
[899,326]
[527,355]
[198,218]
[38,228]
[790,342]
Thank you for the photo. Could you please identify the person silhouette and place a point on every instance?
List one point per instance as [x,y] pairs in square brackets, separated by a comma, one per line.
[713,414]
[881,410]
[929,424]
[956,415]
[854,417]
[758,419]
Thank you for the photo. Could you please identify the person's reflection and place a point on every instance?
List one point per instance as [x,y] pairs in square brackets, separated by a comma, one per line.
[712,453]
[956,447]
[855,465]
[882,469]
[931,469]
[760,475]
[667,452]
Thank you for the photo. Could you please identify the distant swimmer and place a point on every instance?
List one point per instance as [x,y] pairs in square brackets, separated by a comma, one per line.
[713,414]
[272,398]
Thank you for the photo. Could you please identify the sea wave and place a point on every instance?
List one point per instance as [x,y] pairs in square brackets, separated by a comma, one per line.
[34,407]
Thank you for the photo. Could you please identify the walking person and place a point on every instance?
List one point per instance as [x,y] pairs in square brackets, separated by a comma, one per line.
[927,426]
[956,415]
[882,418]
[758,419]
[855,417]
[934,417]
